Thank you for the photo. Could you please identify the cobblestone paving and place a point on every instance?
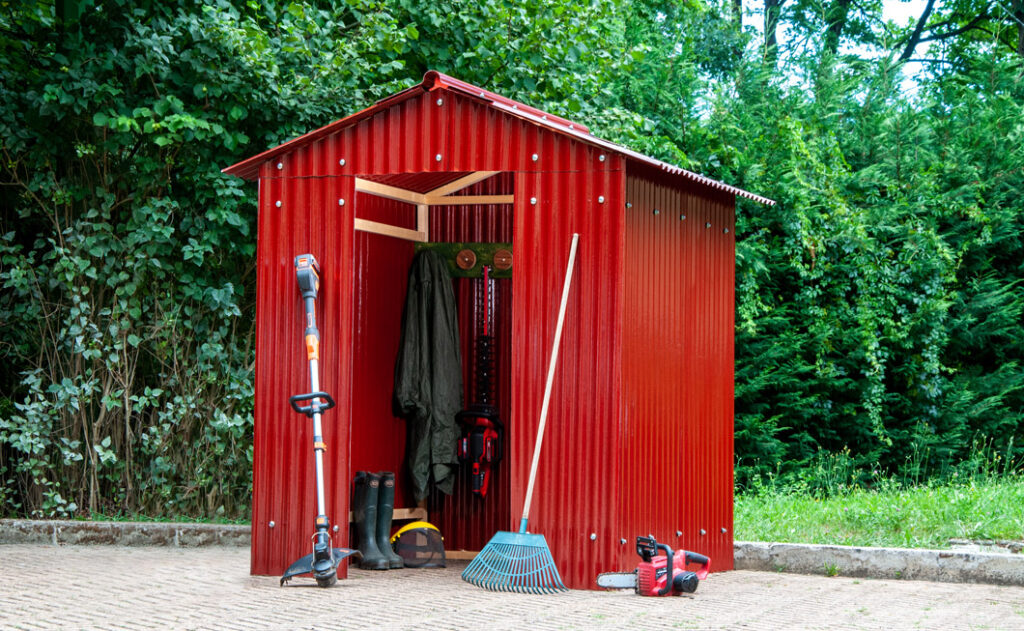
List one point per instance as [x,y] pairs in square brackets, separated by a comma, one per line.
[108,587]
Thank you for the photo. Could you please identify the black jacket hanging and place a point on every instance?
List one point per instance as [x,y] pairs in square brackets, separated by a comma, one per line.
[428,374]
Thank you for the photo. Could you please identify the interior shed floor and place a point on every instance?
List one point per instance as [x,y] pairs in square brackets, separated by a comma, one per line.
[110,587]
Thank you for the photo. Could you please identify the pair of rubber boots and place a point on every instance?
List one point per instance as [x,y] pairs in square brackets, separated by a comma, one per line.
[373,507]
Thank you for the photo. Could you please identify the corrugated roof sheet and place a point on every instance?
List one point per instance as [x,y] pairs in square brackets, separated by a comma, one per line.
[433,80]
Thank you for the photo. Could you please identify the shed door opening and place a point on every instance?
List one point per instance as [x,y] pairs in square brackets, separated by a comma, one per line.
[393,214]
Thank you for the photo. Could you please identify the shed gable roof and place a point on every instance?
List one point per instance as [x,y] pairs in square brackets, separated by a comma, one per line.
[432,80]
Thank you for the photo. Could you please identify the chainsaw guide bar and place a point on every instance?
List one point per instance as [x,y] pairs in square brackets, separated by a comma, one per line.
[617,580]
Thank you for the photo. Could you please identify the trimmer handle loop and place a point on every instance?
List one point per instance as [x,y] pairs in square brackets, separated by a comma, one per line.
[313,408]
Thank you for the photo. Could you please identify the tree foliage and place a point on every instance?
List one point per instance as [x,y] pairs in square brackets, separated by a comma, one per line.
[879,304]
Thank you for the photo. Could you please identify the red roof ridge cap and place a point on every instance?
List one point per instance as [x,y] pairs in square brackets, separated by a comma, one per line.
[433,80]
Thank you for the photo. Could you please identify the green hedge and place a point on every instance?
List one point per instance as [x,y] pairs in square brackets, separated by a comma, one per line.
[879,305]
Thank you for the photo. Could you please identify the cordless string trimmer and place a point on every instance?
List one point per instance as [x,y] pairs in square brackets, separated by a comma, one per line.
[323,562]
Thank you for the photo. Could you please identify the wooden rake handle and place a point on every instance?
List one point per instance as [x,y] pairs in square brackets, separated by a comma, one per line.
[551,378]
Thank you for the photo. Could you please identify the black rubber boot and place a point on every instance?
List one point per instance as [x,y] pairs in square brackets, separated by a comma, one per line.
[364,509]
[385,511]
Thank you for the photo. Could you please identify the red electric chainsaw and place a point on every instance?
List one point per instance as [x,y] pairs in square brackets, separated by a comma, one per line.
[659,575]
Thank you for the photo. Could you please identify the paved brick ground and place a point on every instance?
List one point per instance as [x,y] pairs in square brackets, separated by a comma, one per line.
[109,587]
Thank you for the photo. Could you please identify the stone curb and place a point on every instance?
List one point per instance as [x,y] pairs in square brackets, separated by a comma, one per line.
[122,533]
[947,566]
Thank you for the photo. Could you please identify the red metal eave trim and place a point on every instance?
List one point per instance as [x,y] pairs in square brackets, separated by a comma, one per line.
[589,138]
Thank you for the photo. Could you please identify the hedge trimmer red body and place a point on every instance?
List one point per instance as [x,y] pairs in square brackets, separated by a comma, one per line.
[482,442]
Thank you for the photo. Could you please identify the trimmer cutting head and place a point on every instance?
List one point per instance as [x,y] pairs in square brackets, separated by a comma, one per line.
[322,563]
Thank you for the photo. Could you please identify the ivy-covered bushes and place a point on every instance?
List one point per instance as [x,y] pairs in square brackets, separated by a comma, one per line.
[879,304]
[128,265]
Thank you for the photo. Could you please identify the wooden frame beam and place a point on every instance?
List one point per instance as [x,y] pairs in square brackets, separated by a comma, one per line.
[464,200]
[461,183]
[441,196]
[401,514]
[390,231]
[389,192]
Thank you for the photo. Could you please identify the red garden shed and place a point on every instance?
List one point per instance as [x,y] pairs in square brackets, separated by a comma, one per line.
[640,431]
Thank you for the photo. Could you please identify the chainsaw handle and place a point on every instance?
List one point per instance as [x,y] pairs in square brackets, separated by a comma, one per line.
[668,567]
[705,563]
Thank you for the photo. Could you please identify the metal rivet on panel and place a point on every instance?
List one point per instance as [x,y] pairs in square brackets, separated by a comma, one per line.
[515,107]
[571,126]
[481,92]
[723,531]
[341,202]
[601,157]
[656,211]
[271,524]
[533,200]
[593,536]
[440,102]
[682,217]
[437,158]
[278,203]
[279,166]
[703,532]
[622,541]
[600,199]
[534,157]
[707,225]
[341,162]
[725,231]
[335,528]
[629,204]
[679,533]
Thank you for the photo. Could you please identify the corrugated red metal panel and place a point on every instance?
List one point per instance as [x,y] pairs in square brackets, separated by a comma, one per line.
[678,367]
[433,79]
[577,478]
[307,220]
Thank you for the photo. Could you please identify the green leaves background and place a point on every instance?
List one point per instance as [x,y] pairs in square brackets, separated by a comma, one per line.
[879,304]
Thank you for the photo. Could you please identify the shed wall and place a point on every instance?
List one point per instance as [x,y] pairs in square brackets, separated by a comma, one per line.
[677,431]
[283,475]
[577,477]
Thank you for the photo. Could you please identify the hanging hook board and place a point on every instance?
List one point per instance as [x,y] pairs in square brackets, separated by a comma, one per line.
[497,255]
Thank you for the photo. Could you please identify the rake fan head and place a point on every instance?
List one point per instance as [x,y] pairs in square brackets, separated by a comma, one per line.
[515,562]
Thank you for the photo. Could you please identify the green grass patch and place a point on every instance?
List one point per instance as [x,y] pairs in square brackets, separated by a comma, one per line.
[889,514]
